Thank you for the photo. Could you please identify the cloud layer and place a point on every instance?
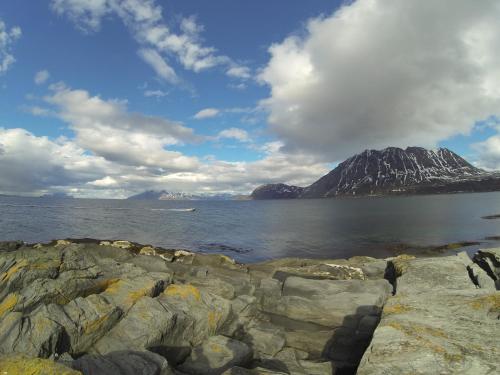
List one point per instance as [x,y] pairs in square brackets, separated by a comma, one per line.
[7,38]
[115,152]
[385,72]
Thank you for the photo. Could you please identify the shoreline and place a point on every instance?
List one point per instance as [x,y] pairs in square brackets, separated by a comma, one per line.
[100,304]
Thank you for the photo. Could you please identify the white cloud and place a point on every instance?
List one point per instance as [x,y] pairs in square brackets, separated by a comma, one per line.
[7,39]
[488,153]
[234,133]
[155,93]
[106,128]
[39,111]
[239,72]
[86,14]
[41,77]
[206,113]
[385,72]
[107,182]
[35,165]
[144,20]
[159,65]
[29,164]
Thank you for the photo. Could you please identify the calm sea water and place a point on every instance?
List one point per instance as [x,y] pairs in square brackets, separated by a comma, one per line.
[257,230]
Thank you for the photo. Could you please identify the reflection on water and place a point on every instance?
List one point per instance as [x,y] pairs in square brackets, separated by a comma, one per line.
[256,230]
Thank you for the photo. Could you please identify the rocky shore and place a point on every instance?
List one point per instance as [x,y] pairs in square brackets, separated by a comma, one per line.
[102,307]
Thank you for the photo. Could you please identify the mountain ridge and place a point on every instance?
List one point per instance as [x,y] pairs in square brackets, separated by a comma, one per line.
[166,195]
[393,170]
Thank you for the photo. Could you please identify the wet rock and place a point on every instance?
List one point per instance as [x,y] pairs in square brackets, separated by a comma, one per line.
[216,355]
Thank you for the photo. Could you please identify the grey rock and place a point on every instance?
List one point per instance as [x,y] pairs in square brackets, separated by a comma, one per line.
[439,322]
[216,355]
[265,339]
[123,363]
[145,325]
[329,303]
[35,335]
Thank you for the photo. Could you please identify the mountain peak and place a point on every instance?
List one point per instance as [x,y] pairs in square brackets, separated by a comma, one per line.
[390,170]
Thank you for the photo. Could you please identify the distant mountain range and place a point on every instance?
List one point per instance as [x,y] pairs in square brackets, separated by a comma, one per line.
[413,170]
[164,195]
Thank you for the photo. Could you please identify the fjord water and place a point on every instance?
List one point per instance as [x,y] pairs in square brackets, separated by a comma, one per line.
[257,230]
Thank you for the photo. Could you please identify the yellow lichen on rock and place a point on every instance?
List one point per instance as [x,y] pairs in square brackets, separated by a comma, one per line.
[95,325]
[122,244]
[21,365]
[8,304]
[138,293]
[401,263]
[6,276]
[183,291]
[214,318]
[490,302]
[396,308]
[147,250]
[114,286]
[62,243]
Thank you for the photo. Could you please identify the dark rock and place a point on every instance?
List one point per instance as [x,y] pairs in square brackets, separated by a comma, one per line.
[277,191]
[123,363]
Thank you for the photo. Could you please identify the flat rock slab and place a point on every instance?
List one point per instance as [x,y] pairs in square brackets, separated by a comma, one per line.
[439,322]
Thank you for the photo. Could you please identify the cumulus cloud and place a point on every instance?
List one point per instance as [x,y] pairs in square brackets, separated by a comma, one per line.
[385,72]
[106,128]
[234,133]
[206,113]
[115,152]
[487,153]
[145,21]
[7,38]
[41,77]
[35,165]
[29,164]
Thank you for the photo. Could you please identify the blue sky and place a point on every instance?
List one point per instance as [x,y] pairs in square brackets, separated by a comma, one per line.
[111,97]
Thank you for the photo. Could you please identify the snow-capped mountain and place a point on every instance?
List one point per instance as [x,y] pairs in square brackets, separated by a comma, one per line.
[164,195]
[396,171]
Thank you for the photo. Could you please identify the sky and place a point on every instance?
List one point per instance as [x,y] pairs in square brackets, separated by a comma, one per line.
[108,98]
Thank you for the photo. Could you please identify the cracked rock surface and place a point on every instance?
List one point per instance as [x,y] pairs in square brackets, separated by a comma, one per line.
[116,307]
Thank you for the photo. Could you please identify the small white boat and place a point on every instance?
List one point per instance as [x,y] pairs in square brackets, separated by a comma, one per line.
[182,209]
